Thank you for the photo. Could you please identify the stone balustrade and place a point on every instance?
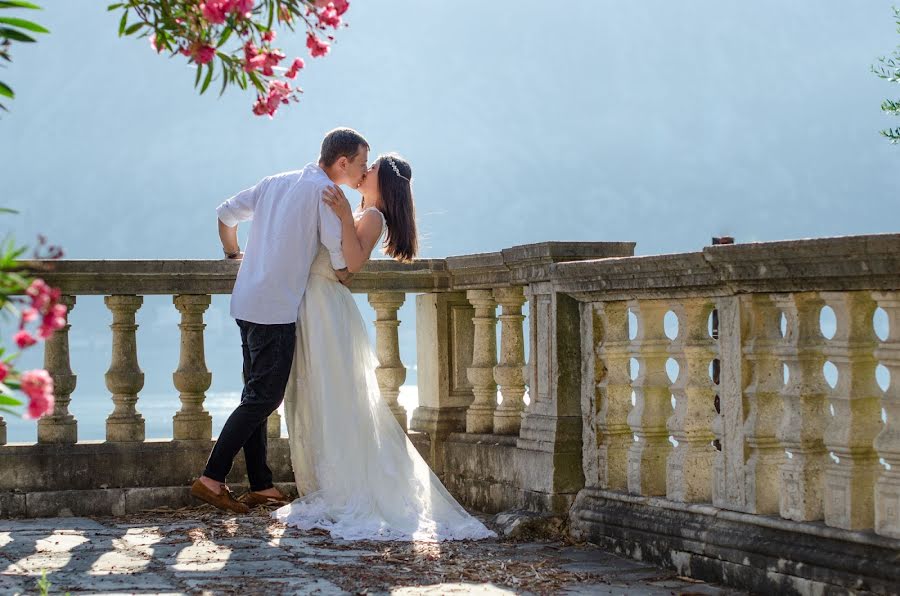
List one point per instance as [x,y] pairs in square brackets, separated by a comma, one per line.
[677,406]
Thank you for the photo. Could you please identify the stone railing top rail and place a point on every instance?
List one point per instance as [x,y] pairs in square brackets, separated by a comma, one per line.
[586,270]
[836,264]
[519,264]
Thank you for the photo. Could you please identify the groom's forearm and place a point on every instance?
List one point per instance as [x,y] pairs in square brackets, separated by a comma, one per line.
[228,236]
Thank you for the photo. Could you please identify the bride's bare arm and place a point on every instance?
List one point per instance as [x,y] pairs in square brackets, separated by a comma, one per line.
[357,238]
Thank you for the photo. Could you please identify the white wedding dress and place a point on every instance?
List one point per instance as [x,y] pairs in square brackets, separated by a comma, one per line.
[360,476]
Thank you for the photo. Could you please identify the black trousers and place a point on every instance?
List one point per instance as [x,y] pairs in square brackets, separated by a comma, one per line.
[268,356]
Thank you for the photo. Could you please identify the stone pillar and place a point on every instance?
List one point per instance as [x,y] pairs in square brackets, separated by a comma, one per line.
[647,456]
[124,377]
[689,466]
[509,372]
[856,400]
[762,398]
[550,439]
[887,490]
[614,391]
[390,371]
[59,427]
[444,347]
[480,415]
[729,486]
[273,425]
[804,407]
[192,378]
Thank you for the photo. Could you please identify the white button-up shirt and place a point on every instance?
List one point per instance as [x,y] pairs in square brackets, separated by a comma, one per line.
[289,222]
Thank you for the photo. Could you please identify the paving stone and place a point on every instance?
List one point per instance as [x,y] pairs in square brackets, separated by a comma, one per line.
[457,588]
[287,586]
[49,524]
[230,568]
[79,583]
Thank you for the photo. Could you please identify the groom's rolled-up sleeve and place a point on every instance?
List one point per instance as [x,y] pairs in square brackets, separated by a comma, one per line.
[330,234]
[240,207]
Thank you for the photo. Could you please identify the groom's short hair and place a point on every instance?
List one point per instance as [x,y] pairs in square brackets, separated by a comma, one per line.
[340,142]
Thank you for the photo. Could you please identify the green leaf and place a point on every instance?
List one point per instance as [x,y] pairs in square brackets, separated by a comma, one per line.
[23,24]
[7,209]
[112,7]
[225,36]
[208,78]
[18,4]
[224,81]
[136,26]
[197,78]
[6,400]
[15,35]
[123,22]
[5,91]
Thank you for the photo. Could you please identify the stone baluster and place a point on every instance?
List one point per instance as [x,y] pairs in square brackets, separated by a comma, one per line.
[856,403]
[689,466]
[390,371]
[887,443]
[762,396]
[647,419]
[509,373]
[480,415]
[124,377]
[59,427]
[192,378]
[803,400]
[614,390]
[273,425]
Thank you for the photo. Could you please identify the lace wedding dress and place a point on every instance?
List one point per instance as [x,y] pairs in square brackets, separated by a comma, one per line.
[360,476]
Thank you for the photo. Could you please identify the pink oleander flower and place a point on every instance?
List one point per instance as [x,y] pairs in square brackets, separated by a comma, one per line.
[279,92]
[268,36]
[38,386]
[285,16]
[203,54]
[153,45]
[296,65]
[4,371]
[272,58]
[241,7]
[215,11]
[29,315]
[317,47]
[24,339]
[330,17]
[341,6]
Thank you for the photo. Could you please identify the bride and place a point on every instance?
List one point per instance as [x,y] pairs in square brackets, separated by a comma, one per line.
[360,476]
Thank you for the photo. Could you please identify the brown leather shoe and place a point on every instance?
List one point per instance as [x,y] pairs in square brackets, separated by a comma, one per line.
[224,500]
[253,499]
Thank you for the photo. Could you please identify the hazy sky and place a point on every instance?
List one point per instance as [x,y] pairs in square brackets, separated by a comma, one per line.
[656,121]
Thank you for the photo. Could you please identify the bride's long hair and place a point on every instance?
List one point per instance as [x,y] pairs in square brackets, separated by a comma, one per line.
[395,185]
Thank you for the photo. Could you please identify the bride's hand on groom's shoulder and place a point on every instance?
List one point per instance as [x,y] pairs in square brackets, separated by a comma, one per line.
[334,198]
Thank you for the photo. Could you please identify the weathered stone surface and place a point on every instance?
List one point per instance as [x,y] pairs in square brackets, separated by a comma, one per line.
[762,555]
[528,525]
[201,551]
[92,465]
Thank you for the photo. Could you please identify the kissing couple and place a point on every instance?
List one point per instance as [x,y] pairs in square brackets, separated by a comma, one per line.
[304,342]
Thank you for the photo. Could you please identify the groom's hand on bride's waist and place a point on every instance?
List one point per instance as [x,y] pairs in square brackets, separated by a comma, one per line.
[344,276]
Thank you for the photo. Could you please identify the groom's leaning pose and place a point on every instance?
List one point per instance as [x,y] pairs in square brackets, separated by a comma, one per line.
[289,222]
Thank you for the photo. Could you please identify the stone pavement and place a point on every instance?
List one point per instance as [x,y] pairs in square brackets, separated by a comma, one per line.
[200,551]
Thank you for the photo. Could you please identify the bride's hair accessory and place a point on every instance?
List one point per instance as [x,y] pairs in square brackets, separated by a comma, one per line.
[395,168]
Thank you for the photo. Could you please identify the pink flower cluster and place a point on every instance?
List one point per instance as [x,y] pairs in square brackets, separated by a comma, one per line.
[38,386]
[216,11]
[44,305]
[265,60]
[279,92]
[317,47]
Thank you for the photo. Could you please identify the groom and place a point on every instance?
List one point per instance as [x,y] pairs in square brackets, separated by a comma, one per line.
[289,222]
